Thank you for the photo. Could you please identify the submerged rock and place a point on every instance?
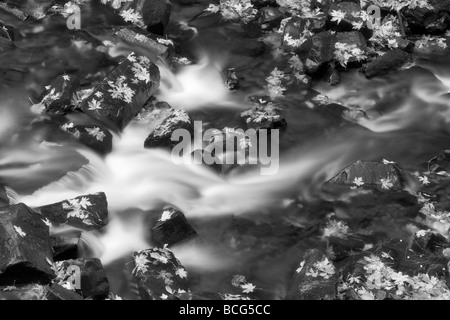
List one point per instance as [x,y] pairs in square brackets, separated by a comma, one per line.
[370,174]
[119,98]
[316,278]
[147,43]
[171,228]
[161,136]
[25,247]
[86,212]
[264,116]
[389,61]
[159,274]
[56,99]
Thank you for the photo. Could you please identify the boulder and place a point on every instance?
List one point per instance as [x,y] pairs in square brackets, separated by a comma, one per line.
[321,52]
[389,61]
[352,16]
[171,228]
[86,212]
[269,18]
[25,247]
[161,136]
[122,94]
[316,278]
[378,175]
[159,274]
[147,43]
[296,35]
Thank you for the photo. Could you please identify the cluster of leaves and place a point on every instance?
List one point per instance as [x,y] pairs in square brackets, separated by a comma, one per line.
[377,280]
[335,228]
[275,83]
[398,5]
[343,52]
[239,281]
[241,10]
[78,208]
[171,122]
[323,269]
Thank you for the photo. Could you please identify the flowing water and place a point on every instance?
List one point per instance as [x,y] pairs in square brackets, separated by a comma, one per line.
[407,117]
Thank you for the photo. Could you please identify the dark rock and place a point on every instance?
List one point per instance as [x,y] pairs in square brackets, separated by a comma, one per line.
[65,246]
[154,14]
[147,44]
[120,97]
[92,278]
[315,279]
[95,137]
[405,45]
[19,14]
[390,61]
[433,18]
[439,163]
[6,32]
[57,292]
[296,36]
[25,248]
[333,76]
[264,116]
[353,39]
[437,47]
[57,96]
[437,22]
[171,228]
[159,274]
[86,212]
[350,9]
[25,292]
[373,174]
[321,52]
[232,80]
[161,136]
[269,18]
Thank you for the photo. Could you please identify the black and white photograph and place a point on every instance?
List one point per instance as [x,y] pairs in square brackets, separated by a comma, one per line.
[236,151]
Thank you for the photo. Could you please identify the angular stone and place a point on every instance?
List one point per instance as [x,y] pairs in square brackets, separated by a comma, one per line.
[390,61]
[350,9]
[123,93]
[315,279]
[264,116]
[86,212]
[152,15]
[65,246]
[148,43]
[25,248]
[171,228]
[296,36]
[371,173]
[354,39]
[91,277]
[269,18]
[160,137]
[159,274]
[56,99]
[321,52]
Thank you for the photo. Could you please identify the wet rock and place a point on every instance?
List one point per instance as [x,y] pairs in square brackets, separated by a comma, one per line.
[19,14]
[152,15]
[65,246]
[161,136]
[171,228]
[269,18]
[432,18]
[370,174]
[231,79]
[56,99]
[159,274]
[353,39]
[352,16]
[391,60]
[25,248]
[123,93]
[57,292]
[6,32]
[264,116]
[86,212]
[333,77]
[321,52]
[439,163]
[148,44]
[296,35]
[85,276]
[437,46]
[315,279]
[95,137]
